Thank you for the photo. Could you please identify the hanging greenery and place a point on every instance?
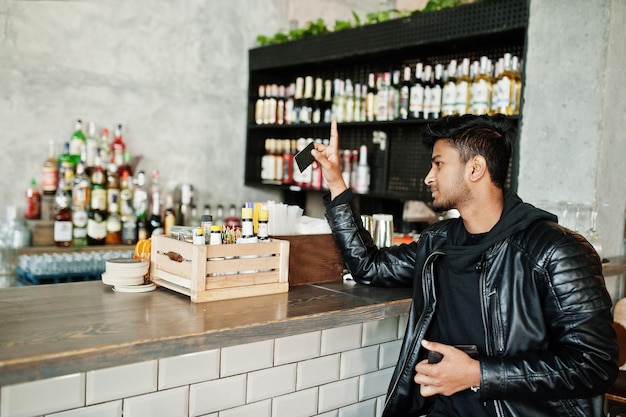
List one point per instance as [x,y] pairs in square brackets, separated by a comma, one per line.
[319,26]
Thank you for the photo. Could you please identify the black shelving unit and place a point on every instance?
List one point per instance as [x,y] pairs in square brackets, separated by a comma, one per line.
[489,27]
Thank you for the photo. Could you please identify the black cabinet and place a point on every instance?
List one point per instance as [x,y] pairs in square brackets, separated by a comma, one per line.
[490,27]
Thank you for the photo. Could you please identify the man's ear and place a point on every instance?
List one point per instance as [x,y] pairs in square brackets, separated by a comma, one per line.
[478,168]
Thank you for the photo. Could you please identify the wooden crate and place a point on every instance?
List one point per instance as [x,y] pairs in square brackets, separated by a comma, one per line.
[220,272]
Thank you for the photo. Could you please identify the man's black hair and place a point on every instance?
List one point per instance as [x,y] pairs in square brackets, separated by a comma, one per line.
[489,136]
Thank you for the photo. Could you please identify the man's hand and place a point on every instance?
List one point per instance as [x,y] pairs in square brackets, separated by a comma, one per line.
[327,157]
[456,372]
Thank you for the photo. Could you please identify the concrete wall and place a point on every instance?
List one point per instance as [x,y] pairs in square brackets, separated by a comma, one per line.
[175,75]
[572,138]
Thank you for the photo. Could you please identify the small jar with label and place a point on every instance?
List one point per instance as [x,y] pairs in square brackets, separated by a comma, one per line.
[206,221]
[262,229]
[198,236]
[247,224]
[215,237]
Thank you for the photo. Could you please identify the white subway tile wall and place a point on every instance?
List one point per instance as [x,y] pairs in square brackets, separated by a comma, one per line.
[188,369]
[108,409]
[339,372]
[46,395]
[169,403]
[121,382]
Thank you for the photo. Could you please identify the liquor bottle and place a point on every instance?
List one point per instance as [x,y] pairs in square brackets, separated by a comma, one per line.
[280,107]
[357,103]
[416,99]
[118,147]
[354,161]
[448,98]
[346,166]
[78,140]
[155,224]
[316,174]
[318,101]
[33,201]
[339,101]
[91,148]
[427,82]
[328,101]
[50,172]
[306,110]
[272,100]
[169,215]
[362,182]
[66,168]
[113,189]
[287,162]
[393,110]
[98,186]
[126,166]
[104,147]
[370,99]
[481,89]
[516,87]
[463,88]
[96,224]
[507,82]
[62,234]
[140,197]
[259,106]
[297,100]
[113,222]
[129,229]
[382,97]
[266,104]
[278,161]
[155,190]
[363,95]
[405,93]
[348,112]
[289,104]
[126,195]
[436,92]
[80,205]
[143,231]
[268,164]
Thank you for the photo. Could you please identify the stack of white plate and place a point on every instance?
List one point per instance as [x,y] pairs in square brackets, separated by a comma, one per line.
[126,275]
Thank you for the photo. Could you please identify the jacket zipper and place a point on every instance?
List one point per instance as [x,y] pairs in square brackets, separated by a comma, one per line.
[483,308]
[416,337]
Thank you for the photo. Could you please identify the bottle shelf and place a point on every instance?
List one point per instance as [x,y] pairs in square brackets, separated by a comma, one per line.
[489,27]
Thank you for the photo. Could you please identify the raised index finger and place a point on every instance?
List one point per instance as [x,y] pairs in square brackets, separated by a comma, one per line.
[334,136]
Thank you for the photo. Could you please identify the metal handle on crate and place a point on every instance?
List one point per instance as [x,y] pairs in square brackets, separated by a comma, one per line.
[174,256]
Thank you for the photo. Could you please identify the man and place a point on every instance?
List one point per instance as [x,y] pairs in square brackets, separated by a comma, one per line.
[504,277]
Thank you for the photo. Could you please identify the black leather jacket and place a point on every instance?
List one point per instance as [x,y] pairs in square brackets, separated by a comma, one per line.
[552,350]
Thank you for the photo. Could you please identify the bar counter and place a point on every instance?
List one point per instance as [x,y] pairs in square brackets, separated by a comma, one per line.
[59,329]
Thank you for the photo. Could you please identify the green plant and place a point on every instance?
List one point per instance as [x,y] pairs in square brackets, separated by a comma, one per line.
[319,26]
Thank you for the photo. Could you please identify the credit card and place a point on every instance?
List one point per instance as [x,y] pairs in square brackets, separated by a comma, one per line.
[304,157]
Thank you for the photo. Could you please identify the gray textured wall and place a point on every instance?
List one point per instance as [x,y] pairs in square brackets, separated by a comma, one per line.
[175,74]
[572,136]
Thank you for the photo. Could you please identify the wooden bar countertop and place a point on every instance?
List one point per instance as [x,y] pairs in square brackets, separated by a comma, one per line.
[59,329]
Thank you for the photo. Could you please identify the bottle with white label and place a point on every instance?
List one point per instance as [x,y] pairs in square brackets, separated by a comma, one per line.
[449,90]
[463,86]
[481,89]
[362,185]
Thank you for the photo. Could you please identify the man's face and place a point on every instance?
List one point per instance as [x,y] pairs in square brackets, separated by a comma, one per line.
[446,177]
